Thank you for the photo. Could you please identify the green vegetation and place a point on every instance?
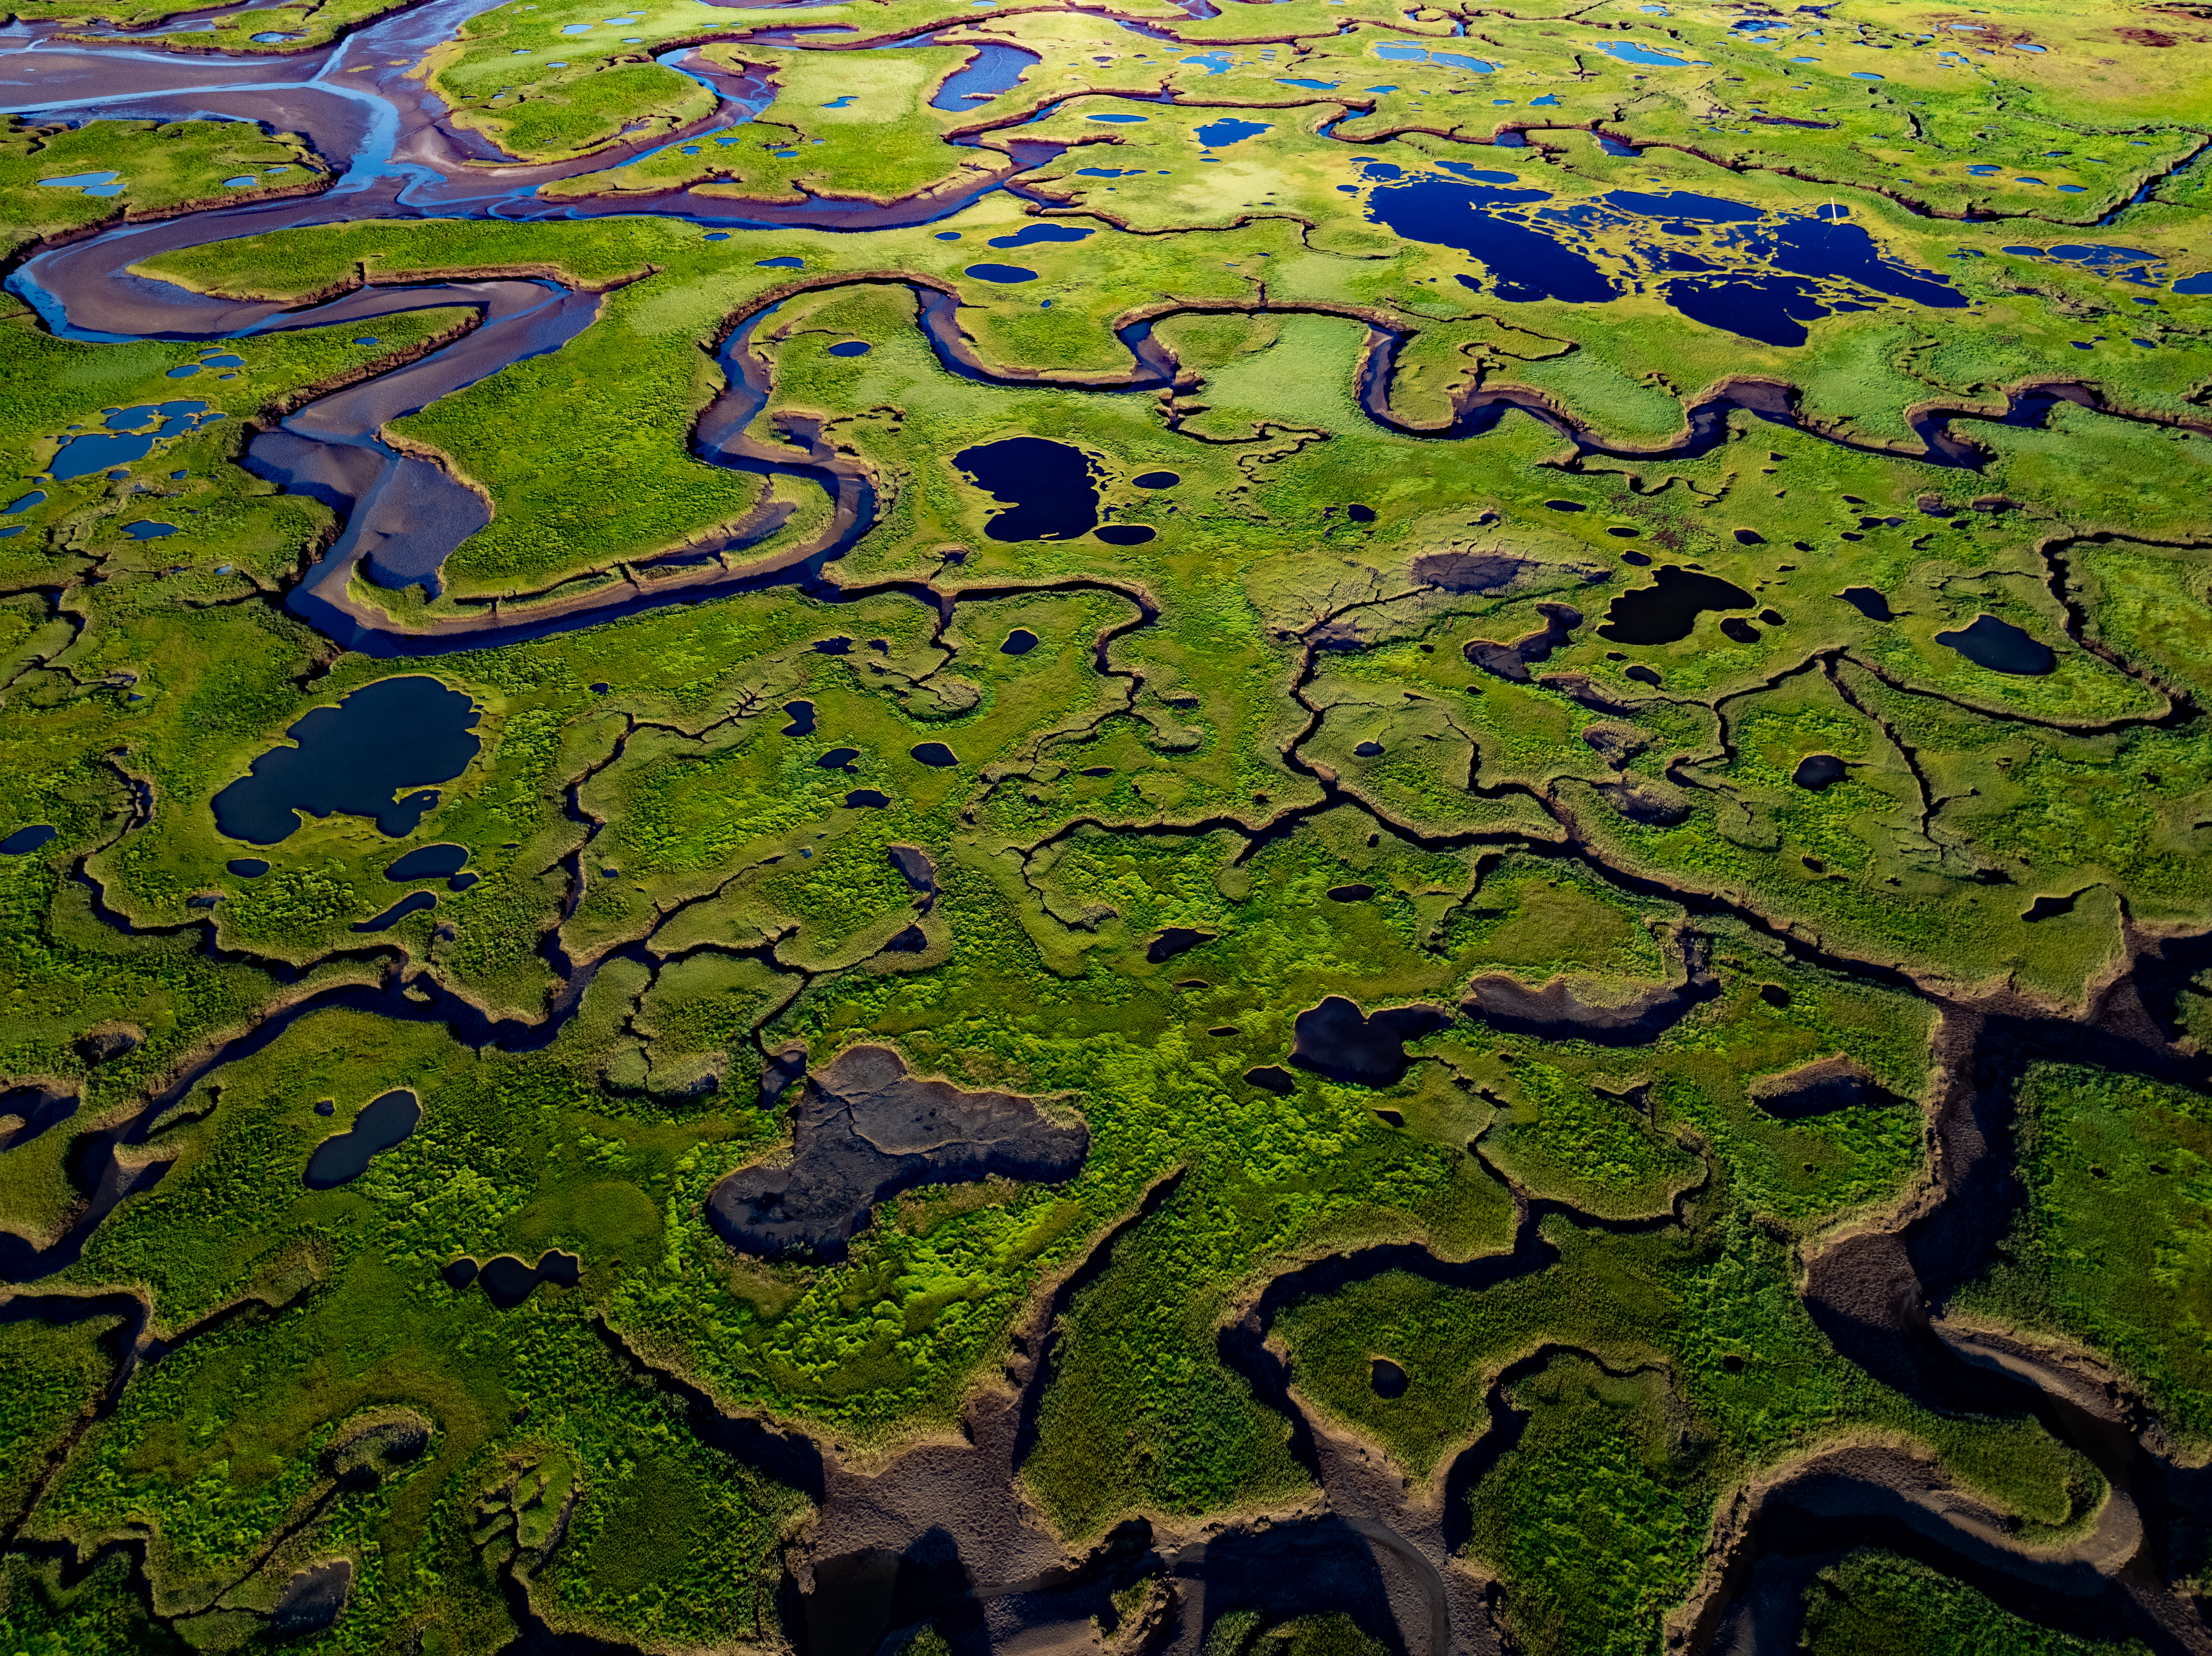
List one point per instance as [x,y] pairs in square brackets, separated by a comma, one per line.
[1359,684]
[1878,1601]
[139,168]
[2111,1246]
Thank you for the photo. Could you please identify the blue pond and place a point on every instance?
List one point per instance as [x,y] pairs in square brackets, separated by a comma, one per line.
[247,868]
[437,862]
[383,1124]
[1102,172]
[1118,118]
[786,262]
[1526,264]
[134,431]
[1001,273]
[24,503]
[1311,85]
[850,348]
[839,103]
[147,529]
[92,183]
[996,69]
[25,841]
[2079,253]
[1031,234]
[1628,52]
[1729,265]
[355,757]
[414,903]
[1213,63]
[1229,130]
[1399,52]
[2194,286]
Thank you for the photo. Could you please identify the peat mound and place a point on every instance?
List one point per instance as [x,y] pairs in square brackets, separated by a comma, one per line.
[863,1131]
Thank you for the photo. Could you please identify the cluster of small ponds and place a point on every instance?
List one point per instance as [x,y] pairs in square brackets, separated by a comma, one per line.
[124,435]
[1729,265]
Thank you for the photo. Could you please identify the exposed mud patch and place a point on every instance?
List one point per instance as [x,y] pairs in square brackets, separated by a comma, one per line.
[863,1131]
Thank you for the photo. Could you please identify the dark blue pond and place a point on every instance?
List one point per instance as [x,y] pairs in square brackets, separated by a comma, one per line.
[507,1282]
[396,733]
[1156,479]
[1001,273]
[1019,642]
[1760,275]
[428,863]
[2196,286]
[145,529]
[124,440]
[1682,204]
[1050,489]
[1665,611]
[413,903]
[25,841]
[935,754]
[850,348]
[1525,262]
[383,1123]
[24,503]
[1030,235]
[802,718]
[1125,534]
[1773,310]
[247,868]
[2001,646]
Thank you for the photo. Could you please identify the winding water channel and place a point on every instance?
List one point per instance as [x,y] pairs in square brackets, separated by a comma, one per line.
[403,516]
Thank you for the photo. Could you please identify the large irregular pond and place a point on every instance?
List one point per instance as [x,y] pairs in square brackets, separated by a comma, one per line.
[1050,490]
[355,758]
[1729,265]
